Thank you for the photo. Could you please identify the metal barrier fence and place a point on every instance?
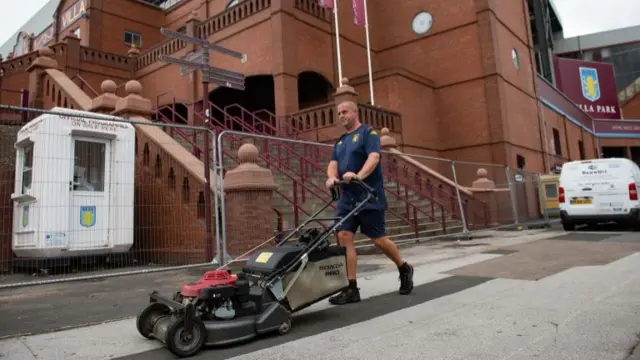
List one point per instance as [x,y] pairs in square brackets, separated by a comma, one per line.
[425,195]
[86,195]
[97,196]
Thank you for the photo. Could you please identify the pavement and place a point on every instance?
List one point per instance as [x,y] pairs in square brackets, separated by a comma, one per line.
[533,294]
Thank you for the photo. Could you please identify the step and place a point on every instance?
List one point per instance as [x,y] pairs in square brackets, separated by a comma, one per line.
[316,176]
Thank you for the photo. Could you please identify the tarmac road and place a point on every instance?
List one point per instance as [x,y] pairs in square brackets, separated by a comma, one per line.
[527,295]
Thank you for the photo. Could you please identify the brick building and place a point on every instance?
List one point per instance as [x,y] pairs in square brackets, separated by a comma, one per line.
[465,89]
[461,85]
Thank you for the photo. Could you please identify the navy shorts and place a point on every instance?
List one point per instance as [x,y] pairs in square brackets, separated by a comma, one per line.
[372,223]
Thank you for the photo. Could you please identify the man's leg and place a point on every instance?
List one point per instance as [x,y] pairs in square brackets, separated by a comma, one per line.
[373,225]
[346,233]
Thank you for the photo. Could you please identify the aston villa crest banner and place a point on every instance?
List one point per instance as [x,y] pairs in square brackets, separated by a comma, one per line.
[589,84]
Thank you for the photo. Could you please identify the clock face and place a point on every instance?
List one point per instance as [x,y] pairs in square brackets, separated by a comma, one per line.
[422,23]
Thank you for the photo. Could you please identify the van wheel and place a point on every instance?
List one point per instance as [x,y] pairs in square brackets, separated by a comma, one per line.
[568,227]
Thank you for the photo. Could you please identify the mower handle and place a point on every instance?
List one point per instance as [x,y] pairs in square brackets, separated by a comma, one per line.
[357,181]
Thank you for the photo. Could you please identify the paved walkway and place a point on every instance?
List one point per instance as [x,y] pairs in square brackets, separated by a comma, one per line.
[515,295]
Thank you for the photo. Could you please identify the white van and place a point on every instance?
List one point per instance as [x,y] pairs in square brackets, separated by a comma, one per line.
[599,190]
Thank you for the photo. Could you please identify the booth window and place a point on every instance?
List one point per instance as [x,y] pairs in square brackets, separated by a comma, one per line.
[26,157]
[89,166]
[551,191]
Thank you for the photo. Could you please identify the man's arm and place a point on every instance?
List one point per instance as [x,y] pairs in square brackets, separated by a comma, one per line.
[372,148]
[332,169]
[372,161]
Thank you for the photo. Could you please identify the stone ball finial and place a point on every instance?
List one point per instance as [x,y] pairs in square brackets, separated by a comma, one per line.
[482,173]
[248,153]
[386,140]
[108,87]
[46,52]
[133,87]
[193,15]
[133,50]
[345,81]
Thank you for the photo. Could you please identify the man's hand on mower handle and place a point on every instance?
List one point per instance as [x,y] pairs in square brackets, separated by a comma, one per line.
[349,176]
[330,182]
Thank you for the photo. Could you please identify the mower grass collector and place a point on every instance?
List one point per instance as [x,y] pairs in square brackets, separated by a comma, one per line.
[223,308]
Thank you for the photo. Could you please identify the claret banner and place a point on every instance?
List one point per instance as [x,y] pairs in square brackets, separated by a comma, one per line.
[589,84]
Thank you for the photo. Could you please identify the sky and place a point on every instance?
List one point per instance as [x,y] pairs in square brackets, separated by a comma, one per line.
[16,14]
[579,17]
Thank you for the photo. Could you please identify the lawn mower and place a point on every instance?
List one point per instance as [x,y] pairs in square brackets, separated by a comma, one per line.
[224,308]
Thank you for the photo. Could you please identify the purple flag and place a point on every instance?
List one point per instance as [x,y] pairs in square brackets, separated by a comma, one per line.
[326,3]
[358,11]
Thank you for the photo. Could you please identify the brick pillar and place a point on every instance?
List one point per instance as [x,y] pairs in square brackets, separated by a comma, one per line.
[133,54]
[250,219]
[490,204]
[387,142]
[45,60]
[345,92]
[133,106]
[105,103]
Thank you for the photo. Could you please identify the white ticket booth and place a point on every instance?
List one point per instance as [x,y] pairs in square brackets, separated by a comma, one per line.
[74,189]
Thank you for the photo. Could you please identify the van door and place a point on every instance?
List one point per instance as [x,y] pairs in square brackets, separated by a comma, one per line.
[89,191]
[600,188]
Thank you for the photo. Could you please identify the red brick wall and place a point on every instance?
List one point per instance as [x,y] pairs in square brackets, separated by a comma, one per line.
[250,220]
[169,215]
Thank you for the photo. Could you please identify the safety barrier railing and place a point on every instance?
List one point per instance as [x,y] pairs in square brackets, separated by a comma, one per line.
[192,141]
[162,225]
[101,196]
[400,187]
[280,162]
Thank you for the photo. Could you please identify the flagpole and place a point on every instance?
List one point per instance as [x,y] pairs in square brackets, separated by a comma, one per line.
[335,16]
[366,28]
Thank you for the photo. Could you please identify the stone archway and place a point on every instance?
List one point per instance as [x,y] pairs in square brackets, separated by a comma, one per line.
[313,89]
[243,110]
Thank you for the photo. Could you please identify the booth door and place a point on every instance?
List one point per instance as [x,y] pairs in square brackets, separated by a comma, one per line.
[89,190]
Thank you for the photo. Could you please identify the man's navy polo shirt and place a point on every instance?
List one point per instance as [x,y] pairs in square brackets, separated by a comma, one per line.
[351,152]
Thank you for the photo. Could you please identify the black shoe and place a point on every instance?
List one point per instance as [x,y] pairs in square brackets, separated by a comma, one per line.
[350,295]
[406,279]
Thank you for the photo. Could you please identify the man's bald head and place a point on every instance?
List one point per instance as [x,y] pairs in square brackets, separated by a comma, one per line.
[349,105]
[348,115]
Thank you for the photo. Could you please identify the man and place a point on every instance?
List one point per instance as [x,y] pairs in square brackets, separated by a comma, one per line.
[357,155]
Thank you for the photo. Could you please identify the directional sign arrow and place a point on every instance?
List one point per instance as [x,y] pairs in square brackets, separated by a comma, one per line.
[203,43]
[204,67]
[182,62]
[222,80]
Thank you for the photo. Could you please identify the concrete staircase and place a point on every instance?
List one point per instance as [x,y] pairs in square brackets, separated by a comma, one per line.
[284,162]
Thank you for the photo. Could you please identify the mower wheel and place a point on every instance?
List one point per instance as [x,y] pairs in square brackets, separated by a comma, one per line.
[285,327]
[185,343]
[148,317]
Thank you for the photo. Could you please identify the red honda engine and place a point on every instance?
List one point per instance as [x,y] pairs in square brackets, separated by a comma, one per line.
[210,278]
